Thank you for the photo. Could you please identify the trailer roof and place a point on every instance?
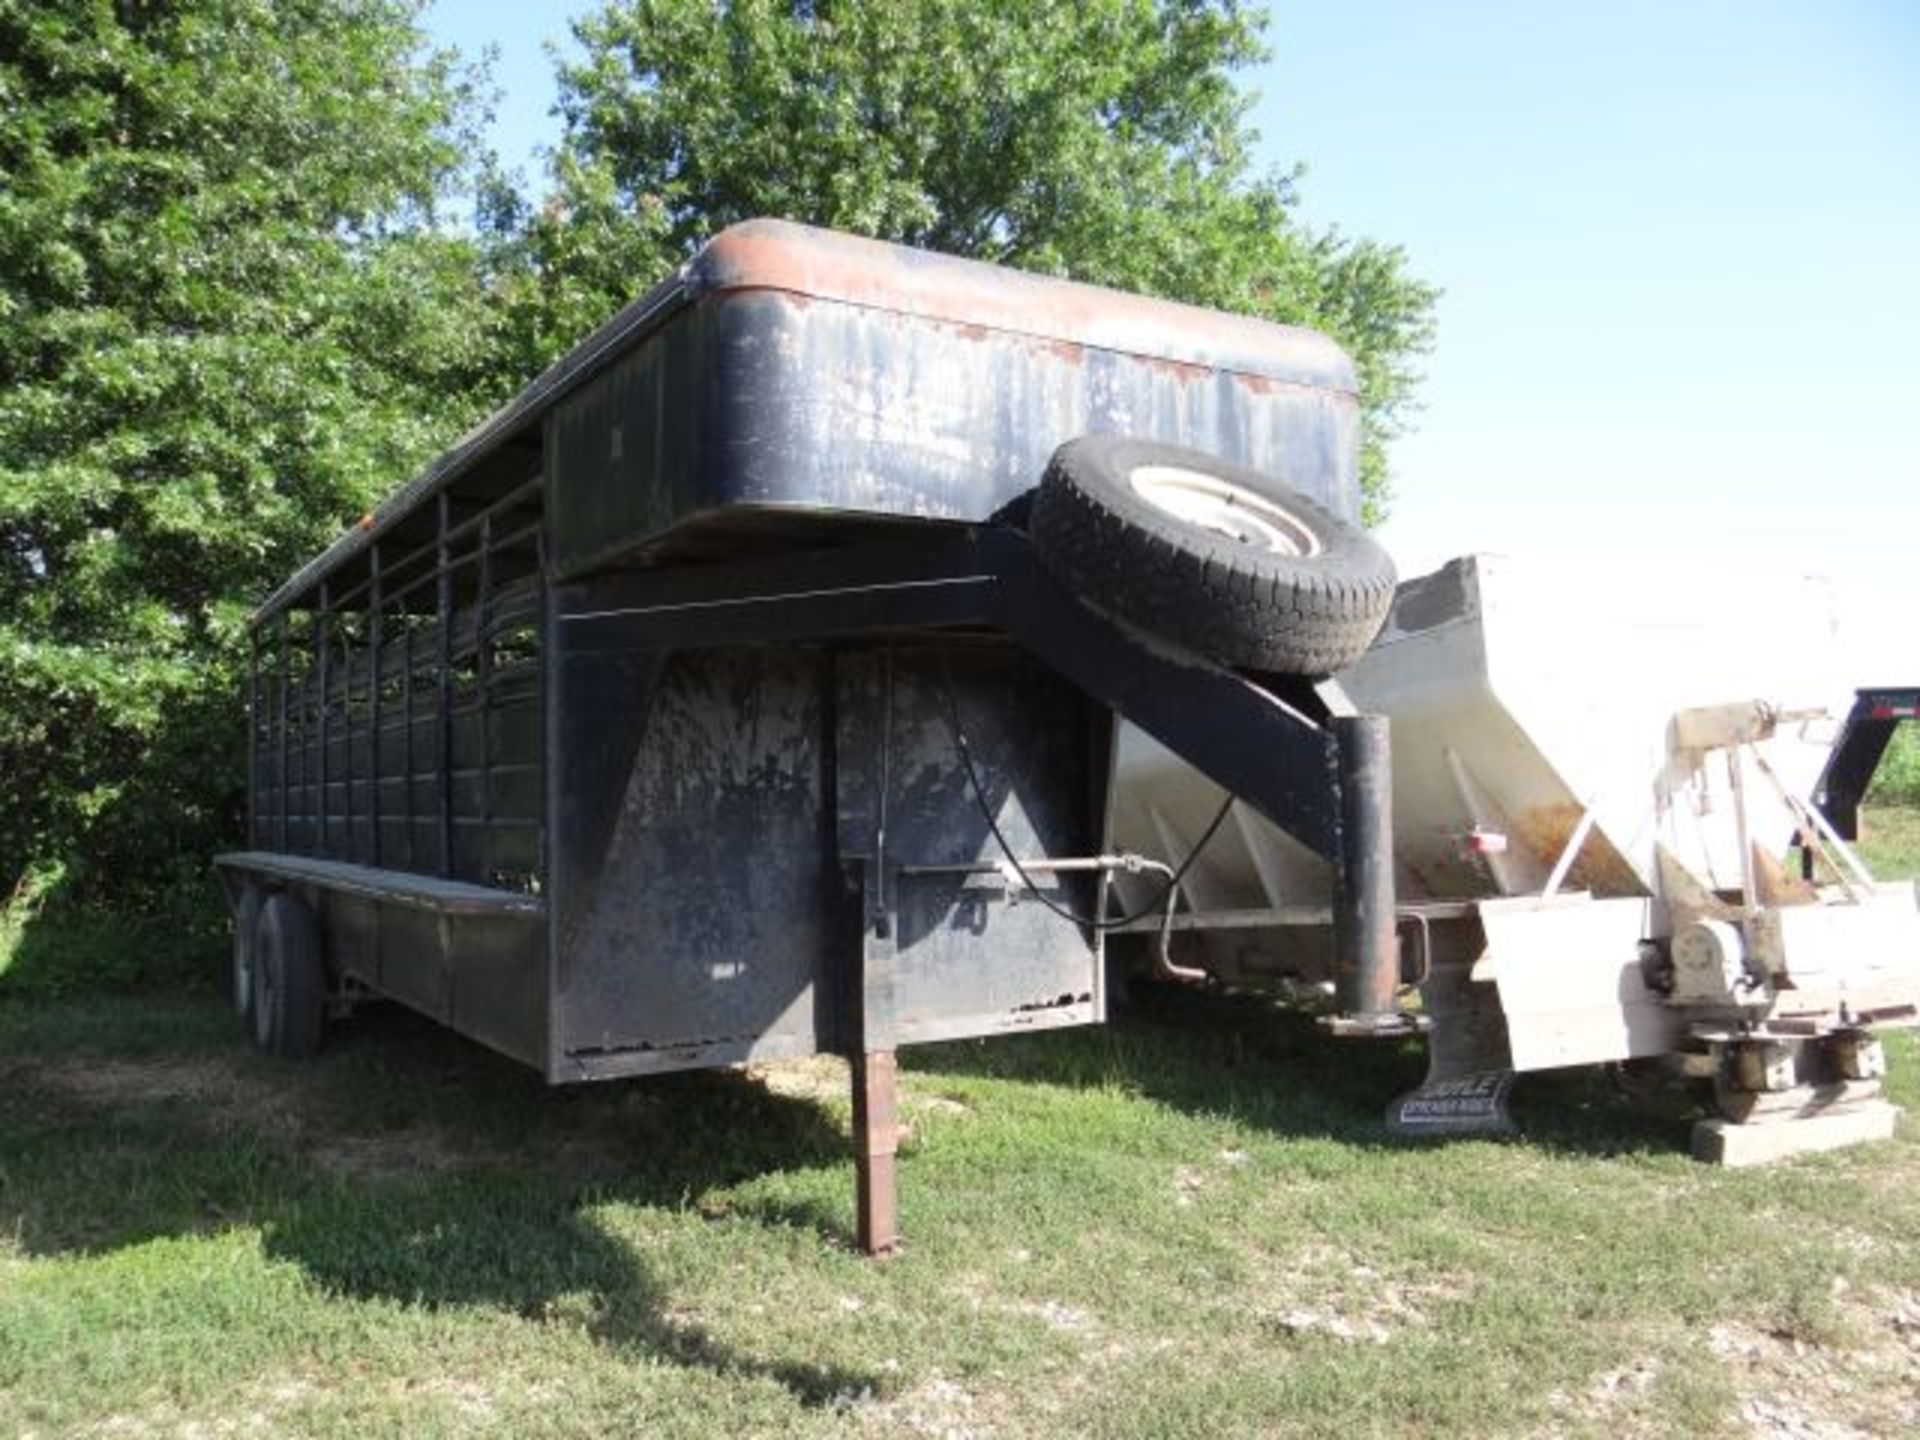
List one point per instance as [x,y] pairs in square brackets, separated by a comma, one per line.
[819,264]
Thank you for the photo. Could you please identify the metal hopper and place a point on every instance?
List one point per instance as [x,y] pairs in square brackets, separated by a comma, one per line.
[1594,793]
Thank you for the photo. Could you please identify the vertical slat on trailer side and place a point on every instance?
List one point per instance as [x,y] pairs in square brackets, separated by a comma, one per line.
[375,617]
[542,608]
[253,738]
[483,693]
[444,595]
[286,686]
[553,761]
[350,750]
[323,637]
[407,788]
[299,735]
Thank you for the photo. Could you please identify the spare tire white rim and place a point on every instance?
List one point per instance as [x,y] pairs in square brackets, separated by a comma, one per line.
[1224,508]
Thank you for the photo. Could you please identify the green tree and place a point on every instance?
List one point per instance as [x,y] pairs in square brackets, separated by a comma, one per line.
[1103,139]
[228,321]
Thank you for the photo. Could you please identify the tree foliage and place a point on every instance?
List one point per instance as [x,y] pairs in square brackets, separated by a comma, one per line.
[1103,139]
[232,314]
[227,322]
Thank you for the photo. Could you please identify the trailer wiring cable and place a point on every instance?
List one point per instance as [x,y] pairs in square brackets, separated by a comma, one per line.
[1161,902]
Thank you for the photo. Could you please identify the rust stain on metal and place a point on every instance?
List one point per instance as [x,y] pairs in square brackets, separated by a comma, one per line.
[1255,383]
[1544,831]
[1420,876]
[1181,370]
[799,261]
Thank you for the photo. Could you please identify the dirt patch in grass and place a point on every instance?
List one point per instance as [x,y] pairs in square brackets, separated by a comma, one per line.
[935,1407]
[1061,1318]
[258,1409]
[827,1081]
[415,1151]
[464,1399]
[284,1406]
[221,1096]
[1794,1389]
[1321,1290]
[1620,1400]
[205,1080]
[824,1078]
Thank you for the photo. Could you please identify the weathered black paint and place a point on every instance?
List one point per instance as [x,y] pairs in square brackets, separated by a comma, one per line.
[608,740]
[789,377]
[761,408]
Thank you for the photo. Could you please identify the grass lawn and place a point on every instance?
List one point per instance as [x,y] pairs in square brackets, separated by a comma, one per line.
[1186,1223]
[1890,841]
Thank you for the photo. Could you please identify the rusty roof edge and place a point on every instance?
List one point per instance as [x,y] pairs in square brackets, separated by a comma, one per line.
[826,264]
[783,255]
[482,439]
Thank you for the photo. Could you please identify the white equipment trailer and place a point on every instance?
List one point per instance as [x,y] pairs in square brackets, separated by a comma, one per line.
[1595,794]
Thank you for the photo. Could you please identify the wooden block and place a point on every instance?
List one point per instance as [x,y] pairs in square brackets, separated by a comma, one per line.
[1721,1142]
[1756,1107]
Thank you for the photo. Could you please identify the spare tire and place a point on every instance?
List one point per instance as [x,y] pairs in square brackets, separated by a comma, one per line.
[1220,559]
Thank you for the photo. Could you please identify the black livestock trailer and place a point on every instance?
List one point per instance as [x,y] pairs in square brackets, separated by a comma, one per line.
[745,688]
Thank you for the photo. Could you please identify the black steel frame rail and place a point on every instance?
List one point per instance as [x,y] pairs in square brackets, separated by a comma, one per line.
[1857,750]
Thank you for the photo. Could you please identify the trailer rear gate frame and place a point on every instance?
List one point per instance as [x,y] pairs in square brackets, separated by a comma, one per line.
[713,785]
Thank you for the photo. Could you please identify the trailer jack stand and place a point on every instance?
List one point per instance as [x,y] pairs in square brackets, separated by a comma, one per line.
[1366,936]
[876,1132]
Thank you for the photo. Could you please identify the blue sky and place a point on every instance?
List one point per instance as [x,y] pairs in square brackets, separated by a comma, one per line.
[1680,245]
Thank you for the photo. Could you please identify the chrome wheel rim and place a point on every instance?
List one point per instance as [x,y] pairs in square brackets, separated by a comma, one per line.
[1224,508]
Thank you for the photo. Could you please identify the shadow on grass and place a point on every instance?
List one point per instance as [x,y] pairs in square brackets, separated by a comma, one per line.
[405,1165]
[1274,1069]
[409,1166]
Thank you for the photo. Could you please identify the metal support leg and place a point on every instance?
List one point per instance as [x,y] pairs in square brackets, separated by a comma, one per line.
[876,1111]
[876,1131]
[1366,938]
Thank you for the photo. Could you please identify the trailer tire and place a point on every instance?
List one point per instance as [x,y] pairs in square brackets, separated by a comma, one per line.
[1230,563]
[246,924]
[289,979]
